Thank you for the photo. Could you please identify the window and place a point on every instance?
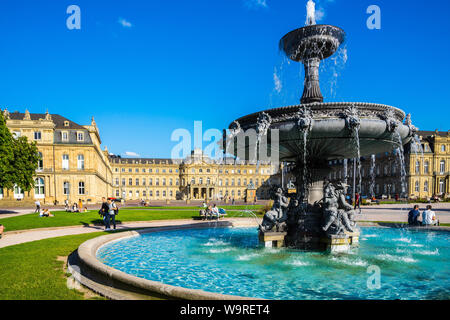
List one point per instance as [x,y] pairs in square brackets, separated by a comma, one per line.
[66,188]
[441,186]
[123,181]
[66,123]
[137,170]
[117,182]
[18,193]
[130,181]
[144,193]
[150,182]
[417,186]
[117,193]
[65,162]
[40,161]
[443,148]
[64,136]
[80,136]
[417,166]
[80,162]
[37,135]
[171,182]
[39,190]
[442,166]
[164,181]
[143,181]
[137,181]
[16,134]
[164,193]
[157,181]
[426,167]
[208,181]
[81,187]
[200,181]
[425,186]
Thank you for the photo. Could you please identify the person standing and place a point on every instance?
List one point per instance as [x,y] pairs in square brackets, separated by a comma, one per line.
[357,201]
[413,216]
[104,211]
[113,212]
[38,206]
[429,217]
[80,205]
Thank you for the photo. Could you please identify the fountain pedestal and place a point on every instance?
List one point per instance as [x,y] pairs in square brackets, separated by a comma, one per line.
[272,239]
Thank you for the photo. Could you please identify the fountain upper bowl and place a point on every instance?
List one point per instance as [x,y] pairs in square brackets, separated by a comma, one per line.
[315,41]
[330,136]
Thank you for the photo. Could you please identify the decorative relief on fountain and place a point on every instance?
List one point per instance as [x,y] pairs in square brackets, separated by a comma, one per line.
[304,118]
[275,219]
[389,117]
[338,215]
[352,120]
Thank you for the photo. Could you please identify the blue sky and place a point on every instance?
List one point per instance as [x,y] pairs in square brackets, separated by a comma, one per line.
[146,68]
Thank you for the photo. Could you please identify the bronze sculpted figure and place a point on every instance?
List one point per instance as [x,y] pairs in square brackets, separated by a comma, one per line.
[277,216]
[338,214]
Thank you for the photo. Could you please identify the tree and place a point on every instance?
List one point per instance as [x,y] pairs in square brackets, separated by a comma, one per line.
[18,159]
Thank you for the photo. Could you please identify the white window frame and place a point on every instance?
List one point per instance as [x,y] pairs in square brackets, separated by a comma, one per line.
[80,162]
[81,188]
[80,134]
[65,162]
[40,161]
[18,192]
[66,188]
[38,135]
[64,136]
[39,188]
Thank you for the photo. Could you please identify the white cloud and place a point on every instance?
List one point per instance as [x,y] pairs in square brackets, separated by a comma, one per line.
[124,23]
[255,4]
[131,154]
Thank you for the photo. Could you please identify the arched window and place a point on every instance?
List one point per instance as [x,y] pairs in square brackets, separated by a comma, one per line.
[40,161]
[81,190]
[443,148]
[417,166]
[39,188]
[80,162]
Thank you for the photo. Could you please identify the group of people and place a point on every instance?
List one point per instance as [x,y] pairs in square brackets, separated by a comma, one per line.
[42,212]
[428,217]
[211,211]
[109,211]
[75,207]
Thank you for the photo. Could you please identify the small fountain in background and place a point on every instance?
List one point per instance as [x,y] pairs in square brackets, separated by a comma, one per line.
[311,134]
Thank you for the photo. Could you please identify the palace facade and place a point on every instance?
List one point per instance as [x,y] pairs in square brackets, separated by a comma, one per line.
[73,166]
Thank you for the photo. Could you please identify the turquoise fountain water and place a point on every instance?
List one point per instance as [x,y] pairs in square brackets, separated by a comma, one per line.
[413,264]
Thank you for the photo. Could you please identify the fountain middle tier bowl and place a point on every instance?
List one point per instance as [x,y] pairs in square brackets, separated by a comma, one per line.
[315,41]
[330,137]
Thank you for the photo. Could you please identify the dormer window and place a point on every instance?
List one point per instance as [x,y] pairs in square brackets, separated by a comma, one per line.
[64,136]
[80,136]
[66,123]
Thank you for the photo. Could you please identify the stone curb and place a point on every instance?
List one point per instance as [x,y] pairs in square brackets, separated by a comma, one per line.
[90,264]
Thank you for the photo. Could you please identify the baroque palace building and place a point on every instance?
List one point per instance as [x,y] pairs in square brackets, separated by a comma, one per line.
[426,172]
[73,166]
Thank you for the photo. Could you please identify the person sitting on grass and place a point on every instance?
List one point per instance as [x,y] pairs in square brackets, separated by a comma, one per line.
[47,213]
[429,217]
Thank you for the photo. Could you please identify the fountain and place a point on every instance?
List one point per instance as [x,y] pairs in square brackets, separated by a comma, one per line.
[313,133]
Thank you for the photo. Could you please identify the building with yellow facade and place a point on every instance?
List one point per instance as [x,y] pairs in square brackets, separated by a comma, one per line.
[73,166]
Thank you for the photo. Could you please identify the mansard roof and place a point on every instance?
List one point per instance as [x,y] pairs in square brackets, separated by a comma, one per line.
[58,120]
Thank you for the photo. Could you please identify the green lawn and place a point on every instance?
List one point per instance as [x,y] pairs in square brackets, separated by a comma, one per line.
[31,271]
[228,207]
[63,219]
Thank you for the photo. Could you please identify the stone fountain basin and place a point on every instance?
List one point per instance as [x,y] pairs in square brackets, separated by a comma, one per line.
[330,138]
[299,43]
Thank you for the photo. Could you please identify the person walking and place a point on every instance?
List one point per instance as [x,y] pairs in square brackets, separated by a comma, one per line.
[104,212]
[38,206]
[413,216]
